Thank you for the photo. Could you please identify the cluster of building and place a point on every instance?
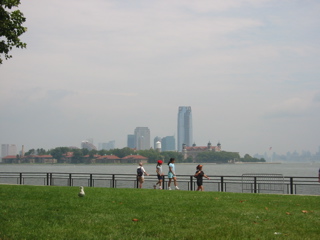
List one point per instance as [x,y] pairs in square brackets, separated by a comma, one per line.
[67,158]
[139,140]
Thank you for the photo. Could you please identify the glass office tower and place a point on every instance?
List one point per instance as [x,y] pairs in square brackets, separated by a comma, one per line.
[142,138]
[185,134]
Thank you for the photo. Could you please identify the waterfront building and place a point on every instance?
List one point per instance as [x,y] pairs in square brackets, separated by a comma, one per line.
[134,159]
[29,159]
[194,150]
[8,149]
[185,132]
[142,138]
[107,159]
[168,143]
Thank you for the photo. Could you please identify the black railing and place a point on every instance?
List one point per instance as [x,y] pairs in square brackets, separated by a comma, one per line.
[254,183]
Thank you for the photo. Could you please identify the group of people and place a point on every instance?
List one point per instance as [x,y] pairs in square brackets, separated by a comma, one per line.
[141,172]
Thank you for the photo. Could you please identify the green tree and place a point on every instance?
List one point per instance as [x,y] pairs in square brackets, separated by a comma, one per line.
[122,152]
[10,27]
[57,153]
[41,151]
[77,156]
[30,152]
[171,154]
[248,158]
[152,155]
[217,157]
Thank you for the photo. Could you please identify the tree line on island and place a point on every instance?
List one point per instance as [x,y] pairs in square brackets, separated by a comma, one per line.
[152,155]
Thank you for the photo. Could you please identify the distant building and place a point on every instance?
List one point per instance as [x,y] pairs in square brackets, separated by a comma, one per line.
[194,150]
[87,145]
[107,159]
[158,146]
[155,140]
[107,146]
[130,141]
[185,132]
[142,138]
[168,143]
[134,159]
[29,159]
[8,149]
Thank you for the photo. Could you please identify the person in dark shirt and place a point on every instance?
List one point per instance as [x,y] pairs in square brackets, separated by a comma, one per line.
[199,175]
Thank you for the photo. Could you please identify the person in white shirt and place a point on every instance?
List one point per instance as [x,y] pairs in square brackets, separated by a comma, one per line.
[140,174]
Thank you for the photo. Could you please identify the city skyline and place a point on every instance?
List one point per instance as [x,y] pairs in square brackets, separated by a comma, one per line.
[249,70]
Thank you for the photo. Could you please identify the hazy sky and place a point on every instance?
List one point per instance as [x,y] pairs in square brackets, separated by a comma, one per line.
[250,70]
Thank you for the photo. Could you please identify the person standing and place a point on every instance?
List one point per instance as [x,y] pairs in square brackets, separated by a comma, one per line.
[172,174]
[140,174]
[199,175]
[159,174]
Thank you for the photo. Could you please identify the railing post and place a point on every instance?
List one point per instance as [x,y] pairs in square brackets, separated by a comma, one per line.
[191,183]
[70,179]
[90,180]
[291,185]
[163,182]
[222,188]
[51,182]
[47,179]
[20,179]
[255,184]
[113,181]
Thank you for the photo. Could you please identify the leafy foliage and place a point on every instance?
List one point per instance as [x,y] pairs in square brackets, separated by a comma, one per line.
[10,27]
[217,157]
[248,158]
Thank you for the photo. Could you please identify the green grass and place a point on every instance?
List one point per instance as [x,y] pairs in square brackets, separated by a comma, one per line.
[44,212]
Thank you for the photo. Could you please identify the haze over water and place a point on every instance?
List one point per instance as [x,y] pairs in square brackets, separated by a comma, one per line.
[286,169]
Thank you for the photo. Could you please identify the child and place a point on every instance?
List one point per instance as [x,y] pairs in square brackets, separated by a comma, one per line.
[159,174]
[199,175]
[172,174]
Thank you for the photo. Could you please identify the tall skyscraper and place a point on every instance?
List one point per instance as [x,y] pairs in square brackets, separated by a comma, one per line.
[142,138]
[168,144]
[185,133]
[130,141]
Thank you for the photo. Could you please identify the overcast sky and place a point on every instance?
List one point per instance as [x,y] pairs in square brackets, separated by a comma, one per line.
[250,70]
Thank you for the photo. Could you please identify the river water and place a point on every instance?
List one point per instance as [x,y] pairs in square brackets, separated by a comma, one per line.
[286,169]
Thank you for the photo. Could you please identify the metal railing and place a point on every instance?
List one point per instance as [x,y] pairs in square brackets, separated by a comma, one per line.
[253,183]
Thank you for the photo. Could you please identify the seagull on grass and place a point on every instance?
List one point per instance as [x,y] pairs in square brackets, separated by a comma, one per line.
[81,193]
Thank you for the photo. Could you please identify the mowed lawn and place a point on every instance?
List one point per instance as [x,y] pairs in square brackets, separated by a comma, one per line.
[50,212]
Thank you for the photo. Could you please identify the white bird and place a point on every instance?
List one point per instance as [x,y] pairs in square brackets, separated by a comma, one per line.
[81,193]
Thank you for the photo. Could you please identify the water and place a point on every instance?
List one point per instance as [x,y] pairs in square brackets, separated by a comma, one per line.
[286,169]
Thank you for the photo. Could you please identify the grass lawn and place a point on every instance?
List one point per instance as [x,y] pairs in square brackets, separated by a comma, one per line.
[48,212]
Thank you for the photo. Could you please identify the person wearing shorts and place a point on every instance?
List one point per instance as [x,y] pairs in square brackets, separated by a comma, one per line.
[172,174]
[141,178]
[159,174]
[199,175]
